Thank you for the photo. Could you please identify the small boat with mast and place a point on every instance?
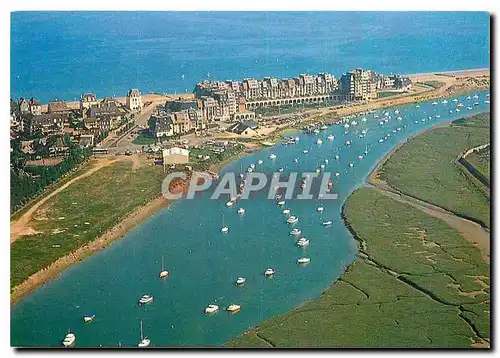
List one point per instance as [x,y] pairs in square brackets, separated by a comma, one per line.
[163,272]
[145,341]
[224,228]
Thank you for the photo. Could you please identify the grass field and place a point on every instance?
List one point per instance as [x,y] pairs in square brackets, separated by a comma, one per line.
[481,161]
[401,292]
[81,213]
[426,168]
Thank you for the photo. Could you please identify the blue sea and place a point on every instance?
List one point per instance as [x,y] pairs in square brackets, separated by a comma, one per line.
[60,55]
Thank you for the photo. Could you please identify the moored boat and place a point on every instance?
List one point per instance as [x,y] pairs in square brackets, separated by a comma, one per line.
[295,232]
[211,308]
[303,242]
[292,219]
[69,340]
[241,281]
[269,272]
[233,308]
[145,299]
[88,319]
[303,260]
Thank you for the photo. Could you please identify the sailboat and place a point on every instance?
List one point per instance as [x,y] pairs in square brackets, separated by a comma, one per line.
[144,342]
[224,227]
[163,273]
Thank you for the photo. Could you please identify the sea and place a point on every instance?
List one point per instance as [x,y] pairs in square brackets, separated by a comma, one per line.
[60,55]
[157,48]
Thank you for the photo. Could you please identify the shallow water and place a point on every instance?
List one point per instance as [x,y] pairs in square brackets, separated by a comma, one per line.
[204,263]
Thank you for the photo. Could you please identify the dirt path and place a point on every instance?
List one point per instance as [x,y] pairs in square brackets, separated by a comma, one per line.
[21,226]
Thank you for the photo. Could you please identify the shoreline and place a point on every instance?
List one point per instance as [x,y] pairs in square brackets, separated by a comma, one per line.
[140,214]
[158,96]
[131,221]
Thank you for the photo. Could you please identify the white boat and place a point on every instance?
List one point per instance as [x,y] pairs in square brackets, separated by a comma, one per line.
[272,156]
[486,102]
[303,260]
[337,174]
[324,127]
[348,142]
[295,160]
[320,209]
[455,100]
[363,120]
[241,211]
[319,141]
[145,299]
[252,166]
[305,151]
[337,157]
[330,137]
[303,242]
[468,98]
[326,161]
[399,118]
[353,123]
[286,211]
[360,157]
[457,110]
[211,309]
[249,170]
[233,308]
[327,223]
[322,166]
[380,140]
[269,272]
[295,232]
[280,170]
[224,228]
[229,203]
[396,111]
[144,342]
[434,103]
[240,281]
[444,101]
[69,340]
[417,106]
[415,122]
[351,164]
[381,123]
[88,319]
[163,272]
[292,219]
[437,116]
[281,202]
[260,161]
[316,131]
[346,126]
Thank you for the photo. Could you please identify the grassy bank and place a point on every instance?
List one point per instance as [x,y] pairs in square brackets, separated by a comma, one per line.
[426,168]
[81,213]
[401,291]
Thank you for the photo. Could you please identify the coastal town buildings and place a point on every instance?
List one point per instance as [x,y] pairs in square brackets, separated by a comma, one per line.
[134,100]
[58,107]
[87,100]
[35,107]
